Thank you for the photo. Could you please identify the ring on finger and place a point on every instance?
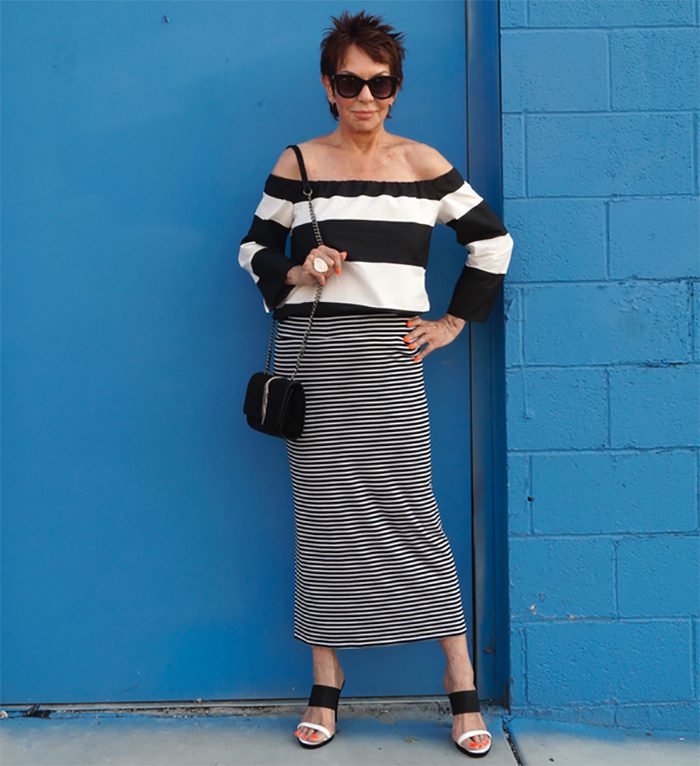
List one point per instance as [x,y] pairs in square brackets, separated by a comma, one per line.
[320,265]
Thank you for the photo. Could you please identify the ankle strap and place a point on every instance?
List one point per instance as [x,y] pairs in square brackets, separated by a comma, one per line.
[324,696]
[464,702]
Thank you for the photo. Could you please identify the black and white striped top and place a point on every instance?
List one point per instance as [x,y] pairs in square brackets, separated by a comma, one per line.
[385,227]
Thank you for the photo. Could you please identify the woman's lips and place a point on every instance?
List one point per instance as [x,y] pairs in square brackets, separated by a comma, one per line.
[364,114]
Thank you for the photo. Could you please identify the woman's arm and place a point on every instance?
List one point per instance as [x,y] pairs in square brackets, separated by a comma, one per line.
[262,249]
[489,248]
[478,228]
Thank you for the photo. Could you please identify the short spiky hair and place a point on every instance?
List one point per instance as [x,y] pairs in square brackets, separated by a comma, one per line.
[379,41]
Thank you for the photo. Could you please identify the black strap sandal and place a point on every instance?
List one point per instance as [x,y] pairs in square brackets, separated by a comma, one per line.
[321,696]
[468,702]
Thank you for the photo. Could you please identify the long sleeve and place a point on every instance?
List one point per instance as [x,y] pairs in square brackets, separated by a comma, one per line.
[489,248]
[261,251]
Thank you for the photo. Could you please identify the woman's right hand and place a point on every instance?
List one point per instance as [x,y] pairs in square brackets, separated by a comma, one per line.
[306,274]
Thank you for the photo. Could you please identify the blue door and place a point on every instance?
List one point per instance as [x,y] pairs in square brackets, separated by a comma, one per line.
[147,531]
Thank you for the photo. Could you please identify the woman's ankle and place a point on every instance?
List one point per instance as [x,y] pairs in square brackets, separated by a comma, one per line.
[458,680]
[326,667]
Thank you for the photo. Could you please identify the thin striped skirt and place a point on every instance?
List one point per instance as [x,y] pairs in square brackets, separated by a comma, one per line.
[372,563]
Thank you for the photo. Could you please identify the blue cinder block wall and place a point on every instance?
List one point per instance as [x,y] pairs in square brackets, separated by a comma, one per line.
[601,144]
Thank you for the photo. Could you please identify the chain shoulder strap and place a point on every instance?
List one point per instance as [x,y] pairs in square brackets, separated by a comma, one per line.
[307,191]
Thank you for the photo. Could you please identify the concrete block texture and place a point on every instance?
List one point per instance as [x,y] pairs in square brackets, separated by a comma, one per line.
[659,576]
[556,408]
[654,238]
[655,406]
[555,71]
[512,304]
[601,155]
[610,13]
[601,148]
[513,164]
[609,661]
[606,492]
[557,578]
[695,327]
[518,493]
[558,239]
[513,13]
[518,666]
[647,64]
[696,643]
[607,323]
[665,716]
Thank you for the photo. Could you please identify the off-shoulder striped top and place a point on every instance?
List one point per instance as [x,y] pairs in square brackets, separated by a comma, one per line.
[385,227]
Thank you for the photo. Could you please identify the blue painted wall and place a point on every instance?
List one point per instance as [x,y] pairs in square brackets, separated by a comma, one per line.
[147,532]
[600,126]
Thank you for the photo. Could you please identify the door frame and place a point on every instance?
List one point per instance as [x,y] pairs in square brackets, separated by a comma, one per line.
[490,616]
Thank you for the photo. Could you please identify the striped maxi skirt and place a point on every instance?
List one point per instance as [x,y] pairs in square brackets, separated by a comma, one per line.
[373,565]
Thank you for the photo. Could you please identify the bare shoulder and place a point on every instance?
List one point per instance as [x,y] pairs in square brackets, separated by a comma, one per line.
[287,165]
[412,159]
[426,161]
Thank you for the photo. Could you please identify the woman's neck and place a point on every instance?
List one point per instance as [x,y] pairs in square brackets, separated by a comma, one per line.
[361,142]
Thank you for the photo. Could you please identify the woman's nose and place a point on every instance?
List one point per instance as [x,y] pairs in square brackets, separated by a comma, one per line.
[365,94]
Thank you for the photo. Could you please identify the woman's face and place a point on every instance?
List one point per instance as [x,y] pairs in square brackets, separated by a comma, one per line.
[364,112]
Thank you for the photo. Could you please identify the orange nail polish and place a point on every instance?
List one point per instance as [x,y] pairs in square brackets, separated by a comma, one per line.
[337,271]
[416,359]
[406,338]
[409,323]
[411,346]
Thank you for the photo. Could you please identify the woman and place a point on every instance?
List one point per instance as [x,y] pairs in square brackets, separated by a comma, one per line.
[373,565]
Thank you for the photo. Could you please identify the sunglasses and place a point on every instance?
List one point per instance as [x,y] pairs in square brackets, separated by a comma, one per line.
[350,85]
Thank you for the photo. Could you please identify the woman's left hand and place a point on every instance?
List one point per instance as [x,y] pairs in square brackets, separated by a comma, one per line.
[432,333]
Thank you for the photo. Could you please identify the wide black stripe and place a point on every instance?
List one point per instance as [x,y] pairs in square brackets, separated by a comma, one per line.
[374,241]
[272,266]
[434,188]
[474,294]
[267,232]
[479,223]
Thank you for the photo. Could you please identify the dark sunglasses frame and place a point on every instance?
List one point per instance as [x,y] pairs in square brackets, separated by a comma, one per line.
[359,84]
